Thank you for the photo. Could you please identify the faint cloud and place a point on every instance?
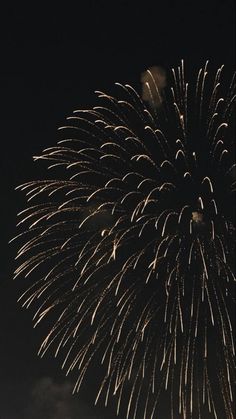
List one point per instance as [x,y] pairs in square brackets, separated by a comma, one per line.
[52,400]
[153,82]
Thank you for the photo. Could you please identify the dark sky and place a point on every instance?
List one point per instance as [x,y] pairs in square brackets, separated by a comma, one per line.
[51,62]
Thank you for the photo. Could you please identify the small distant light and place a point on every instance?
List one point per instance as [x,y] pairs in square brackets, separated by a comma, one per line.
[197,217]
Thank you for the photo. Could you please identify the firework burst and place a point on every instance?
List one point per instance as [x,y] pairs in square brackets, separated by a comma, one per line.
[132,245]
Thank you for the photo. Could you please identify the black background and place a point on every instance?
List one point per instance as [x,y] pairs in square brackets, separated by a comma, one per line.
[51,62]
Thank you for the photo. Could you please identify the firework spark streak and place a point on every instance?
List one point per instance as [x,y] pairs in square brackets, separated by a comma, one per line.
[131,247]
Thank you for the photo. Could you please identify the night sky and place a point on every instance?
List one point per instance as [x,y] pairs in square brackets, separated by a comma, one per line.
[52,60]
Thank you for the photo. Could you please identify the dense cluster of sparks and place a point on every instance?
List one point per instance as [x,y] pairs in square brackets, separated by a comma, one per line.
[131,248]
